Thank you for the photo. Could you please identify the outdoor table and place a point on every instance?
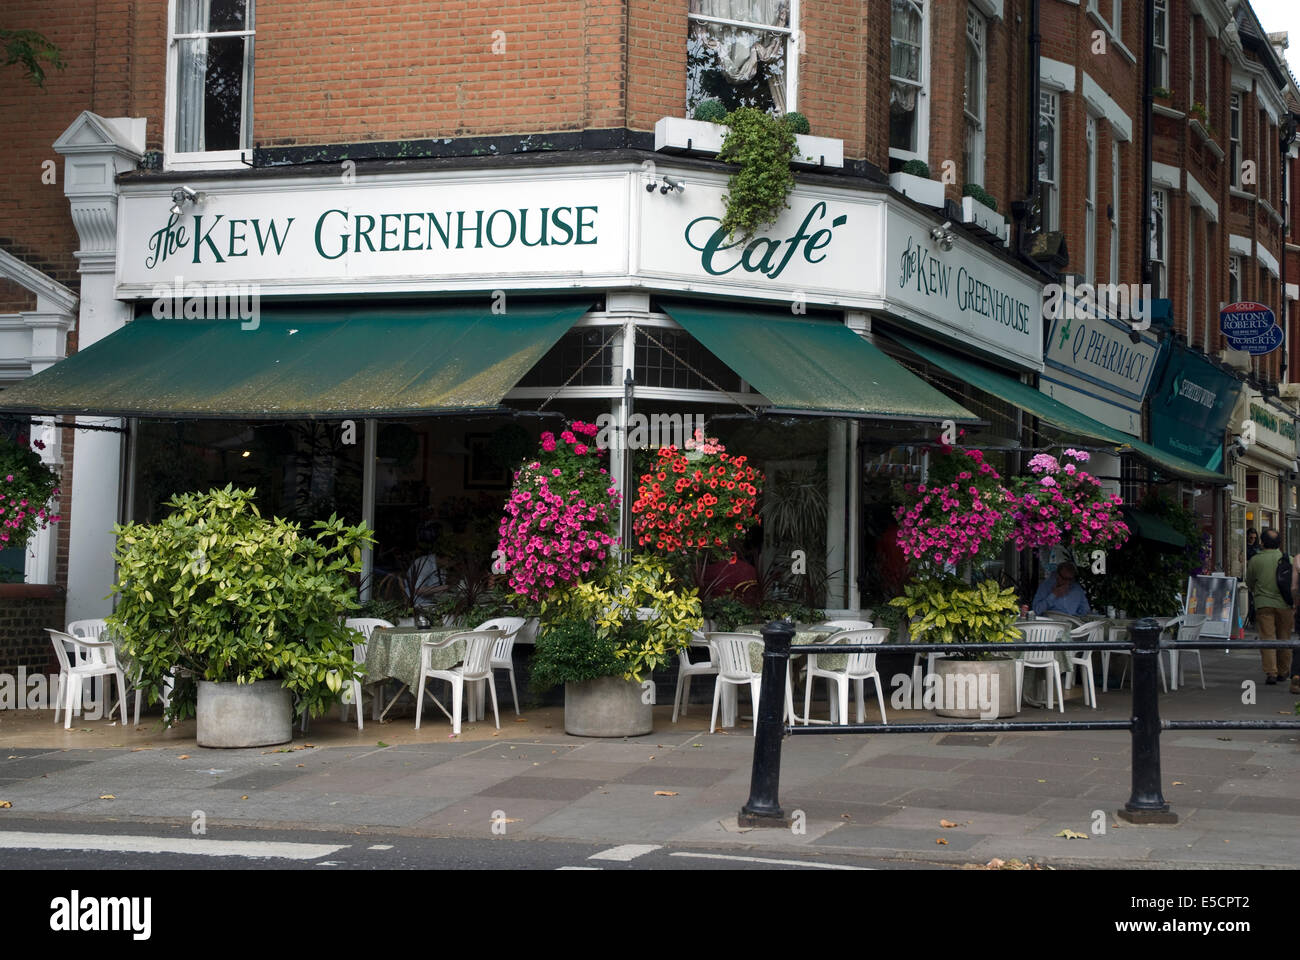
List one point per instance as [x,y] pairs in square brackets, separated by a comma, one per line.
[393,653]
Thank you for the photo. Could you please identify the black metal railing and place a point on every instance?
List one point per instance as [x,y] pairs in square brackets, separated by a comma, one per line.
[1146,803]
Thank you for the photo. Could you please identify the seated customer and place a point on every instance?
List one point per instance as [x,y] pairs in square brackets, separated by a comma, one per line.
[1061,593]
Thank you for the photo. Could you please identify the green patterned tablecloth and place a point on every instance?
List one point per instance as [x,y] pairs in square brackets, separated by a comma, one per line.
[803,635]
[394,654]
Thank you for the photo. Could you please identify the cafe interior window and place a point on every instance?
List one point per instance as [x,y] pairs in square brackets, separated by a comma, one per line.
[908,78]
[210,93]
[742,53]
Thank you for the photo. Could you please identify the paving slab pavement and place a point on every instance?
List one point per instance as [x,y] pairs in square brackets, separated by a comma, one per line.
[1009,795]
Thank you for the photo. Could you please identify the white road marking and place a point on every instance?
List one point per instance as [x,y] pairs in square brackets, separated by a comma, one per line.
[381,846]
[781,863]
[579,868]
[626,852]
[258,849]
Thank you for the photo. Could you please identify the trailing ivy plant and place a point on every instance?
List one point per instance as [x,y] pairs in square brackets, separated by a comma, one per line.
[232,597]
[763,146]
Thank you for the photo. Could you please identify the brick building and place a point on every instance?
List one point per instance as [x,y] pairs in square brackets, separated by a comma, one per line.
[333,160]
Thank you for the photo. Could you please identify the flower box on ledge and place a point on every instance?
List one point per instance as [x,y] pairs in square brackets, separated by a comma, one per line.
[983,218]
[700,136]
[920,189]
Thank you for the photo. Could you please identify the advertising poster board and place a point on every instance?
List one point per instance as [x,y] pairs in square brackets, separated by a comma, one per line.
[1216,598]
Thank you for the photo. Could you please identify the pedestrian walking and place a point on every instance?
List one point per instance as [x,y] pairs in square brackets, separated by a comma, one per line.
[1274,615]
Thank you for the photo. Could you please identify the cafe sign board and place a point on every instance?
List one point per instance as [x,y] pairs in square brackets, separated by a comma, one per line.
[569,227]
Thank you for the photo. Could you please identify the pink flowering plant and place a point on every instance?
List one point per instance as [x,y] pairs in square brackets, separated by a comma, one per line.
[959,516]
[1059,502]
[559,521]
[27,490]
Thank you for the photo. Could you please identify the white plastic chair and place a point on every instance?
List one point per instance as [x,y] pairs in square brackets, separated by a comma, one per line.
[477,665]
[1040,631]
[686,670]
[1189,630]
[503,649]
[1083,659]
[732,651]
[860,668]
[364,626]
[90,659]
[1160,660]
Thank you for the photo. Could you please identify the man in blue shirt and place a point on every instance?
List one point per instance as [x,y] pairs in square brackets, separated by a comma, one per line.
[1061,593]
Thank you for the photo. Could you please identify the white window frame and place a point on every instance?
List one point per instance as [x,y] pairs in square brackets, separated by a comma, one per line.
[1160,42]
[1234,140]
[922,151]
[1114,210]
[207,159]
[1115,21]
[1208,72]
[1159,243]
[1051,214]
[977,35]
[1234,279]
[791,31]
[1263,185]
[1090,199]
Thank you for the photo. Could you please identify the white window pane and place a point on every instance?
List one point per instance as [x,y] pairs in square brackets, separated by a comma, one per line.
[211,112]
[768,13]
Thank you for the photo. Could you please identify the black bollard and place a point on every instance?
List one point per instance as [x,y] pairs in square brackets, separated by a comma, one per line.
[763,809]
[1147,803]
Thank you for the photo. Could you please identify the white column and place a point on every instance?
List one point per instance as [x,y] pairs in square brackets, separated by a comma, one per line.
[96,151]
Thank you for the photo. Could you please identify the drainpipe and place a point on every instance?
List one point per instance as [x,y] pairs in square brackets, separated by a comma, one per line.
[1286,136]
[1148,86]
[1031,152]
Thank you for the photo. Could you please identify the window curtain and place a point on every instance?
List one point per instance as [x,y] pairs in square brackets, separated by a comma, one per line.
[905,54]
[191,72]
[741,50]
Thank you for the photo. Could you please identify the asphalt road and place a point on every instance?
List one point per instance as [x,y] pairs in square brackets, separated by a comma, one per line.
[71,845]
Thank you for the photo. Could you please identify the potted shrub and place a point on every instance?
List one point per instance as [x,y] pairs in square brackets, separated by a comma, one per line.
[248,611]
[914,181]
[603,638]
[980,209]
[949,611]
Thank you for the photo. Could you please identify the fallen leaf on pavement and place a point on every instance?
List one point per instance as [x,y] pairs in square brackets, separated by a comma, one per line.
[1072,835]
[1177,783]
[108,796]
[183,756]
[5,804]
[244,797]
[1042,781]
[380,743]
[846,816]
[665,793]
[652,756]
[521,719]
[302,764]
[505,820]
[942,841]
[948,823]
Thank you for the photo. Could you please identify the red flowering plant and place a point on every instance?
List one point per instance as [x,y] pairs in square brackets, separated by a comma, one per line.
[27,490]
[1061,503]
[959,516]
[559,521]
[701,498]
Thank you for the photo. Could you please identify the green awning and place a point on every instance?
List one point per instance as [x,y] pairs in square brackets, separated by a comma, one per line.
[1148,526]
[300,363]
[1053,411]
[805,365]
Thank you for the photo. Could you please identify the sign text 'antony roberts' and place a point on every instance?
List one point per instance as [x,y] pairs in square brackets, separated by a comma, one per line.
[216,238]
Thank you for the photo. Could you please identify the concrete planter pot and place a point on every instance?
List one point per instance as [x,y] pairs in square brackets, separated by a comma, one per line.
[258,714]
[606,707]
[964,682]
